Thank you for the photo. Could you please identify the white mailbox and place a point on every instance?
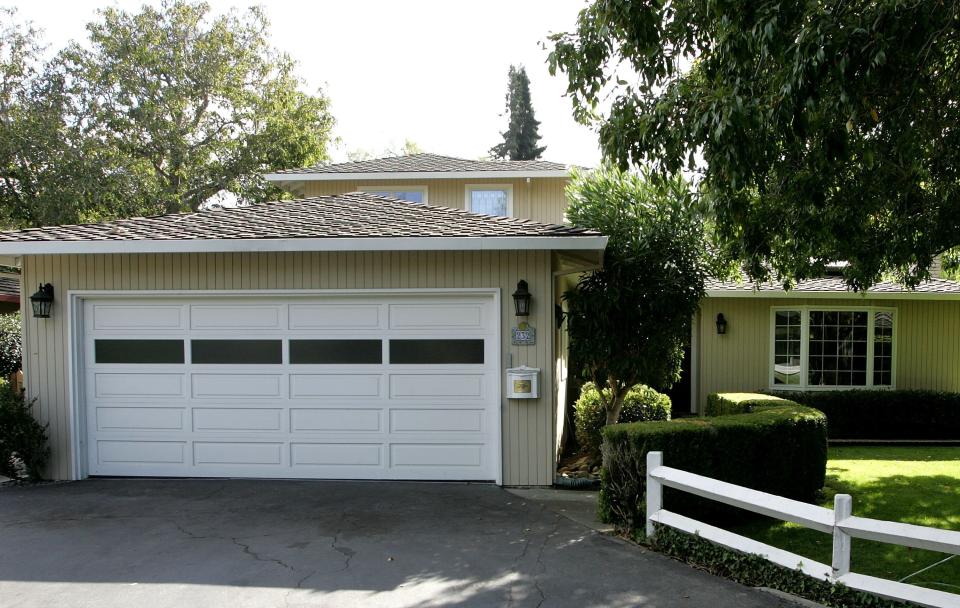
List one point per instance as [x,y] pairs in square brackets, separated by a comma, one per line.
[523,382]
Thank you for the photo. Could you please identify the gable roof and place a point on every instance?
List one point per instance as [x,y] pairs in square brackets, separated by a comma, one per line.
[834,287]
[345,222]
[421,166]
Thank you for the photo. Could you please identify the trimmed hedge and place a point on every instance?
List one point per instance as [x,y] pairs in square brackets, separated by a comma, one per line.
[885,414]
[778,447]
[23,441]
[641,403]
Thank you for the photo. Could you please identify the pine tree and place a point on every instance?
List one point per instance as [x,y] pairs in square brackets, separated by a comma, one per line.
[522,134]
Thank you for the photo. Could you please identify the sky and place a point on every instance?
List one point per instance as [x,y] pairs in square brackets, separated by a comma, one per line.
[434,72]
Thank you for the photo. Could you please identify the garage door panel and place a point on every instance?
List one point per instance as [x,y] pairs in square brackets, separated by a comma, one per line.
[136,317]
[337,454]
[140,385]
[237,419]
[140,452]
[437,420]
[237,386]
[292,387]
[335,316]
[242,317]
[139,418]
[237,453]
[440,315]
[436,385]
[436,455]
[336,420]
[334,385]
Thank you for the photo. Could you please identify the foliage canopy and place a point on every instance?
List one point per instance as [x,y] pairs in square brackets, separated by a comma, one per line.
[827,130]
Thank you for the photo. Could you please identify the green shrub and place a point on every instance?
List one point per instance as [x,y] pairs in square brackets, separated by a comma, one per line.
[757,571]
[23,440]
[885,414]
[641,403]
[10,340]
[778,447]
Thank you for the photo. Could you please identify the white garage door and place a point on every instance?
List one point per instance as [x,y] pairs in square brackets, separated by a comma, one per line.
[349,387]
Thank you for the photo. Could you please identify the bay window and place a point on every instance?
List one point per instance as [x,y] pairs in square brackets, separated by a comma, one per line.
[821,347]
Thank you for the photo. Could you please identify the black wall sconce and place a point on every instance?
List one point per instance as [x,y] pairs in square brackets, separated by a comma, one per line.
[42,301]
[521,299]
[721,324]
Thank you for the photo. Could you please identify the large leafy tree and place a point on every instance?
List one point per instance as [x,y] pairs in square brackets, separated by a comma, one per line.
[158,111]
[629,320]
[523,130]
[828,131]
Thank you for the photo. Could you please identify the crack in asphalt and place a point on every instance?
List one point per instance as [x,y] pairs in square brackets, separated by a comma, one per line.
[542,566]
[246,549]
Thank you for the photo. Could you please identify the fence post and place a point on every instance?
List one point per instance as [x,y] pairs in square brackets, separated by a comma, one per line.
[842,509]
[654,489]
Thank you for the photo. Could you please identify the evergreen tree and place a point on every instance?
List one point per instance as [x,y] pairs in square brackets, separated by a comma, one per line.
[522,134]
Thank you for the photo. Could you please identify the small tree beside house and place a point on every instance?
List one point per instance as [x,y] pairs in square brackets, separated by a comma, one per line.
[629,320]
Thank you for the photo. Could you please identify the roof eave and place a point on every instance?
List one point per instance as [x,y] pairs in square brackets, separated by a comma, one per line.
[833,295]
[411,175]
[475,243]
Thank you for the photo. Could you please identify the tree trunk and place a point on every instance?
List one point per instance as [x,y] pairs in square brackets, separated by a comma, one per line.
[615,405]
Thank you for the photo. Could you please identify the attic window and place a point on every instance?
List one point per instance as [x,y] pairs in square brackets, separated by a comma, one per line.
[416,194]
[490,199]
[832,348]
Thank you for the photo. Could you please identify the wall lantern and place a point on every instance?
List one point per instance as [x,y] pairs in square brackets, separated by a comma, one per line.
[42,301]
[521,299]
[721,324]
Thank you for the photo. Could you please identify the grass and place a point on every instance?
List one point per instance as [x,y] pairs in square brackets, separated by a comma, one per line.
[916,485]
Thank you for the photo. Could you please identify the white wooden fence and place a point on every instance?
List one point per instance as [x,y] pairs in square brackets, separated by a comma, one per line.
[838,522]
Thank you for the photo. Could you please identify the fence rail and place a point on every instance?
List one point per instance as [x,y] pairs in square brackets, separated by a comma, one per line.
[838,522]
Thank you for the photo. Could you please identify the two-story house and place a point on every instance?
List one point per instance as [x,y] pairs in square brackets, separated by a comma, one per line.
[365,329]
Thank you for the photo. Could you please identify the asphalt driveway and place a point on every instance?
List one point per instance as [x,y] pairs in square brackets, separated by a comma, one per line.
[234,543]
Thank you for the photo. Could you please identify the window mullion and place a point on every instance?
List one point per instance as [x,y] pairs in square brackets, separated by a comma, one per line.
[804,345]
[871,348]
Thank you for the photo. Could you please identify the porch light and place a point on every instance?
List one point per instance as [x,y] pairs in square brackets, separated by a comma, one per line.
[521,299]
[42,301]
[721,324]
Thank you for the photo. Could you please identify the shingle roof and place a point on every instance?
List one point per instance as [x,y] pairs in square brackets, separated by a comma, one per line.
[833,285]
[353,215]
[428,163]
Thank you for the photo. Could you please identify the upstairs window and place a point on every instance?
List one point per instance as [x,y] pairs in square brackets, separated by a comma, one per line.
[832,348]
[416,194]
[490,199]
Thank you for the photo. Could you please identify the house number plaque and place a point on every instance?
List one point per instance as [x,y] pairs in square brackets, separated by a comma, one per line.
[524,335]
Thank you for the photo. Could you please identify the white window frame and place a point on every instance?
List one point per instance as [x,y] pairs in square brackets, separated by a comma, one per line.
[804,311]
[397,188]
[470,188]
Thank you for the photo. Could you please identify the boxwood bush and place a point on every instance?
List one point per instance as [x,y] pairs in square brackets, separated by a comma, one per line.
[885,414]
[776,446]
[641,403]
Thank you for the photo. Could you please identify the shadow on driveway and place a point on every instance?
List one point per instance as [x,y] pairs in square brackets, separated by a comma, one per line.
[148,542]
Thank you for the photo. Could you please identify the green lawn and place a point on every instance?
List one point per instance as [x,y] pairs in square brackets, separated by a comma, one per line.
[916,485]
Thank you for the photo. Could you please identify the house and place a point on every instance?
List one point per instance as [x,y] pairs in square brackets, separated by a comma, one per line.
[346,334]
[822,336]
[364,330]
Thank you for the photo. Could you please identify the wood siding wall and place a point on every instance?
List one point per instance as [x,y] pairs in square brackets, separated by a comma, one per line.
[927,348]
[542,200]
[527,426]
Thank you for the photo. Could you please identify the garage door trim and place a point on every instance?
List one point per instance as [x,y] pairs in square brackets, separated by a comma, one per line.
[75,347]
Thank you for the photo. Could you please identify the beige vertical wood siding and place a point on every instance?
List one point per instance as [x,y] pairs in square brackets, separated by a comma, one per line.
[927,342]
[527,429]
[542,199]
